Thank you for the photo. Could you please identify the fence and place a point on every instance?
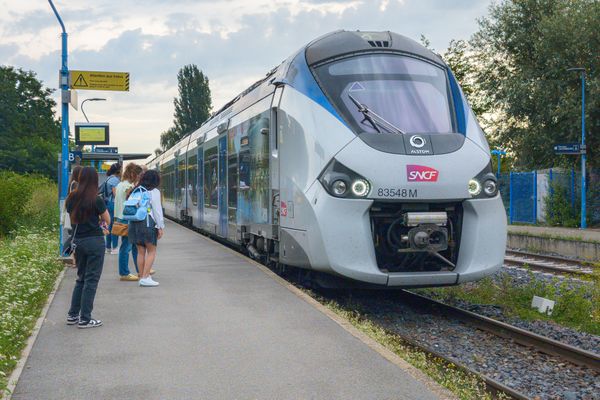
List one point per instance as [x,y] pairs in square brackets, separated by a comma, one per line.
[552,196]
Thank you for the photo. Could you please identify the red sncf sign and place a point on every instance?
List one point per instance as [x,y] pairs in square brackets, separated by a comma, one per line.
[421,173]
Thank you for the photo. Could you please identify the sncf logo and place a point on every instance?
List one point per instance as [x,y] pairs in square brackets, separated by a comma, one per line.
[420,173]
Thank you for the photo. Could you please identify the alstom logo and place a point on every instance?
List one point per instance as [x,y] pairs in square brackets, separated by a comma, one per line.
[421,173]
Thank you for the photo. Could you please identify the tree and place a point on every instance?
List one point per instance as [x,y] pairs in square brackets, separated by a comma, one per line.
[522,51]
[192,107]
[29,132]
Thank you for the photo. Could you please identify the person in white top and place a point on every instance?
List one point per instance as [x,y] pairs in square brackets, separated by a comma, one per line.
[145,234]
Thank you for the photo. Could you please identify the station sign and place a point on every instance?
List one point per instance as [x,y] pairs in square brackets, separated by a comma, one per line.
[91,133]
[99,80]
[106,150]
[569,148]
[75,156]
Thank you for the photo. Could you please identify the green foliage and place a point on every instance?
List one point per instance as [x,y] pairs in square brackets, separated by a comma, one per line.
[28,268]
[522,51]
[559,211]
[29,134]
[192,107]
[26,200]
[577,306]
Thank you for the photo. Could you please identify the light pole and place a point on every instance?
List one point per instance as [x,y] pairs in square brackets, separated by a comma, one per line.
[499,153]
[92,99]
[583,149]
[64,158]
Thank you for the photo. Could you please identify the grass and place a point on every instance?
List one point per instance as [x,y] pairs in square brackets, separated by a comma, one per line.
[577,306]
[463,385]
[28,268]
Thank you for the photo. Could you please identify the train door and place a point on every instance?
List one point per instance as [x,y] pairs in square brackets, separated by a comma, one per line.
[210,216]
[274,158]
[191,194]
[233,148]
[200,186]
[222,188]
[180,185]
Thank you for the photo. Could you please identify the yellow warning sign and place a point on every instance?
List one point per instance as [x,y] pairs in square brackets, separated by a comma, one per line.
[99,80]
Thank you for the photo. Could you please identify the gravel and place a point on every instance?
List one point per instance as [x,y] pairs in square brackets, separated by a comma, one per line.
[535,374]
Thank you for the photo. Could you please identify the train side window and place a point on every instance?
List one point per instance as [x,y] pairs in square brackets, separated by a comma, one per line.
[211,178]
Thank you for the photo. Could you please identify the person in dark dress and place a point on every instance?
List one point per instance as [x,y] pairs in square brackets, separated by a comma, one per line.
[89,220]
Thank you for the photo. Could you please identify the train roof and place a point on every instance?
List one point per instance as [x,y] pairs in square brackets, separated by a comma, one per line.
[341,43]
[323,49]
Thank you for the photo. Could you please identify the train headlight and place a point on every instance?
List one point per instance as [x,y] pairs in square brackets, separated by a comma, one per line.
[360,187]
[474,187]
[341,181]
[339,187]
[490,188]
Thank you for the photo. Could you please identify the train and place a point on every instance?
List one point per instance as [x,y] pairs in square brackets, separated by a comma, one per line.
[357,158]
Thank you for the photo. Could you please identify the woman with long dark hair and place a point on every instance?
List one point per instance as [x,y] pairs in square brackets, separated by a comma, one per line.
[145,234]
[89,219]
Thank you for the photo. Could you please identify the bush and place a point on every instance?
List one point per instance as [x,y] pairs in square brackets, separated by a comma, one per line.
[559,211]
[26,200]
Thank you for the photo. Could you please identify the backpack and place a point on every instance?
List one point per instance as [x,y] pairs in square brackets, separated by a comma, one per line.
[103,191]
[137,207]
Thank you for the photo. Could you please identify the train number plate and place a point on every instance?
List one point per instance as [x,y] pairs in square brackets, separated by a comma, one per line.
[397,193]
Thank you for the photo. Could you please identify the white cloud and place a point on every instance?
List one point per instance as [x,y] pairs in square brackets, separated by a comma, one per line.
[234,42]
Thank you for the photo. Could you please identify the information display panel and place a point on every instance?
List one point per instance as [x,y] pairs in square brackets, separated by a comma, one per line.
[91,133]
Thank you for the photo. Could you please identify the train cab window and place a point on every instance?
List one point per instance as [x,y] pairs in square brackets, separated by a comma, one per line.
[411,94]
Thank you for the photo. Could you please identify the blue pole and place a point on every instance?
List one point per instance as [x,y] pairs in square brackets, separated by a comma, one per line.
[573,187]
[64,160]
[535,196]
[499,161]
[510,203]
[583,155]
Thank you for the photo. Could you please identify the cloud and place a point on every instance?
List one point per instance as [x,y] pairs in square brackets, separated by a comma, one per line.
[234,42]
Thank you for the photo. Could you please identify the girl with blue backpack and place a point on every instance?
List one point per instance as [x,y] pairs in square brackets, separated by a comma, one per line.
[143,210]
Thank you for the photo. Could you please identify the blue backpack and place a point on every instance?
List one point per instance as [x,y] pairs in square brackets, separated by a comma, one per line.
[137,207]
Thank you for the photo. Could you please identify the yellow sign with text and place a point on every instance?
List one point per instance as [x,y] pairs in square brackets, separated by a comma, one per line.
[99,80]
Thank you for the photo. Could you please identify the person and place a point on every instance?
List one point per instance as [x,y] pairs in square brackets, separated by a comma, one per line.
[130,178]
[145,234]
[88,216]
[113,174]
[74,178]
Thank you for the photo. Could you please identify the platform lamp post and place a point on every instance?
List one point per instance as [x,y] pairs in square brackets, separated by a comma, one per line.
[583,149]
[499,153]
[86,118]
[64,158]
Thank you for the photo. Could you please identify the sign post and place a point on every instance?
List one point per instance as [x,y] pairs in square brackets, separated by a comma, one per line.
[499,153]
[583,224]
[64,159]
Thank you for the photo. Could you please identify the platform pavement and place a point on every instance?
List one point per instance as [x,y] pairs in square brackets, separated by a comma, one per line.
[216,328]
[586,235]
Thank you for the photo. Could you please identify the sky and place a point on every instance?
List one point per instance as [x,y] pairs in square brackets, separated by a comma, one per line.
[234,42]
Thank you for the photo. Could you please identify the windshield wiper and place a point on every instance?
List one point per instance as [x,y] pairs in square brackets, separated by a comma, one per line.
[374,119]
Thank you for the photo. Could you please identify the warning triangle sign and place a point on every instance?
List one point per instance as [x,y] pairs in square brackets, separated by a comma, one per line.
[356,86]
[80,81]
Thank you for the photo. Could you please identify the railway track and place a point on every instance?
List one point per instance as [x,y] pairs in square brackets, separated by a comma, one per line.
[547,263]
[552,351]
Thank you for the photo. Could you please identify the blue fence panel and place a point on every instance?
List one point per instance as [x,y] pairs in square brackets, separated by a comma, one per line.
[523,197]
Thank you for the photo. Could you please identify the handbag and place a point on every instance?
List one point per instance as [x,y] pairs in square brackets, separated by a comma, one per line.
[119,229]
[70,245]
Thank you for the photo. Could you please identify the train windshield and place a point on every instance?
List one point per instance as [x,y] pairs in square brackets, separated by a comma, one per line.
[411,95]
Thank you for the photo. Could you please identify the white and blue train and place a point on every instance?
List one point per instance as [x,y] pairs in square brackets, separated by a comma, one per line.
[358,156]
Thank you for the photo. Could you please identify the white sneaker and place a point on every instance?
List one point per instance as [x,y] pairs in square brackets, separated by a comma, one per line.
[148,282]
[108,251]
[114,251]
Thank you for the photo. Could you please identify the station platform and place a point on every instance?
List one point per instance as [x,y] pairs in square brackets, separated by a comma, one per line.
[585,235]
[217,327]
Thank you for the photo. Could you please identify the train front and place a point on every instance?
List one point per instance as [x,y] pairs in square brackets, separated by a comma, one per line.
[405,194]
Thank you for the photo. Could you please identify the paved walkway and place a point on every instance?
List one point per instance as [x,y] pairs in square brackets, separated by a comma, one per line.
[588,235]
[217,328]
